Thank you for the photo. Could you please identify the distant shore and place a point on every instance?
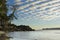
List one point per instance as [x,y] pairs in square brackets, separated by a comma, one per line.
[51,29]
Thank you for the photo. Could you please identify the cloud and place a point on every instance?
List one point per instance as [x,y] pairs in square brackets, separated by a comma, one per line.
[48,17]
[41,9]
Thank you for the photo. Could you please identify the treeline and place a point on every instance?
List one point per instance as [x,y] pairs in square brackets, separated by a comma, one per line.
[13,27]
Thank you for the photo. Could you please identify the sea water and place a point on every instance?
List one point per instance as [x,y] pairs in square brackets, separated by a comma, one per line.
[35,35]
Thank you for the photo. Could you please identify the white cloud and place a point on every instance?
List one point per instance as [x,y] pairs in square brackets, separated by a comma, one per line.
[46,11]
[17,0]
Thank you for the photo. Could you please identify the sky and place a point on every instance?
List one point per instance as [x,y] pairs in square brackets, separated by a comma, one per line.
[36,13]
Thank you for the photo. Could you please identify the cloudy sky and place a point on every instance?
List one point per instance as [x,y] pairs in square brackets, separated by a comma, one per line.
[37,13]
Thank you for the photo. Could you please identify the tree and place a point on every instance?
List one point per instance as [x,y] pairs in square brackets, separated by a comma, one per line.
[4,19]
[3,12]
[12,16]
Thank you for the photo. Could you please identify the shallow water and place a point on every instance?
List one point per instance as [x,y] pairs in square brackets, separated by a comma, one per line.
[36,35]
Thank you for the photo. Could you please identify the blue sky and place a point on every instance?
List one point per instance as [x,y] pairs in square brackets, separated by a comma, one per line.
[37,13]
